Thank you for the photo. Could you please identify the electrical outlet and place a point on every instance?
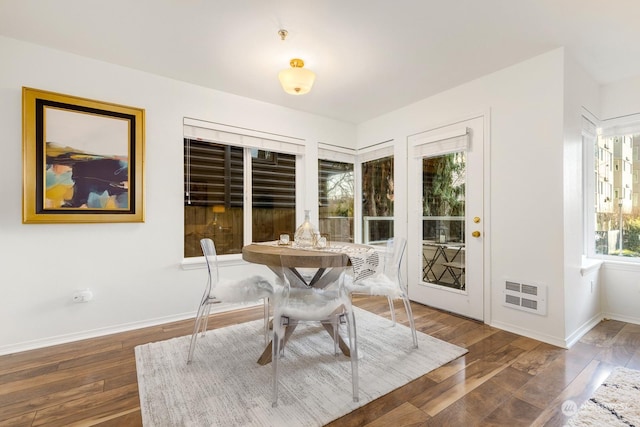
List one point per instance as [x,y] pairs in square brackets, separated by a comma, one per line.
[82,295]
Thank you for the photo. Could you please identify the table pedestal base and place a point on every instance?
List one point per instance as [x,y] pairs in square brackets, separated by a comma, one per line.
[266,355]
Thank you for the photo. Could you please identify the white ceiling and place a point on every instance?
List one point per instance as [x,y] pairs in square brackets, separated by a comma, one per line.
[370,56]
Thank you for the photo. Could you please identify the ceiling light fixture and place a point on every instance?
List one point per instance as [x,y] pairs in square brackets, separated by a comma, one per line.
[295,80]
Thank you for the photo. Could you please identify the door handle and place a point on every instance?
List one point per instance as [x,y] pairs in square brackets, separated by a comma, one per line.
[476,233]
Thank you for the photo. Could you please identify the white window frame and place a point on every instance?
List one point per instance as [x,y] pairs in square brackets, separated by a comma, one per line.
[344,155]
[592,127]
[589,139]
[367,154]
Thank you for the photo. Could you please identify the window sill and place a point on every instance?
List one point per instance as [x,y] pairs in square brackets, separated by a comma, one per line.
[196,263]
[590,265]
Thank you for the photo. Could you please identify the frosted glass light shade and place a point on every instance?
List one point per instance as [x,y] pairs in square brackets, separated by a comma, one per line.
[296,80]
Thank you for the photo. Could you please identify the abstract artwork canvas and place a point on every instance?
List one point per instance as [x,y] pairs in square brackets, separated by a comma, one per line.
[83,160]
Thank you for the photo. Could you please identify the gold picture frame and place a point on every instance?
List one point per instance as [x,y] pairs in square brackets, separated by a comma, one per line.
[83,160]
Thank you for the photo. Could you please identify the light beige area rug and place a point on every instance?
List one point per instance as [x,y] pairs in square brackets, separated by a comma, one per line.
[615,403]
[225,386]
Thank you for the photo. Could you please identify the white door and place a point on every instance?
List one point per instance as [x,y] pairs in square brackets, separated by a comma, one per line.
[446,215]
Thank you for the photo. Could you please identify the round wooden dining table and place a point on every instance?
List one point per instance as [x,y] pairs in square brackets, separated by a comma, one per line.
[269,254]
[323,261]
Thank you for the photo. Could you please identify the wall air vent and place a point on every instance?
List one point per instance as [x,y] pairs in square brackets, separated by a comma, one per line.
[526,297]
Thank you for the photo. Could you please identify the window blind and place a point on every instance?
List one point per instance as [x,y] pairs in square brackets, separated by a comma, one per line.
[336,154]
[626,125]
[273,181]
[213,174]
[239,137]
[431,144]
[214,165]
[377,151]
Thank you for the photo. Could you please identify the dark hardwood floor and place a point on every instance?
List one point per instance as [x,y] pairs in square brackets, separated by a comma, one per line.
[504,379]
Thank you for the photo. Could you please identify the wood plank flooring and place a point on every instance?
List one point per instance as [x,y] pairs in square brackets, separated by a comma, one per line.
[504,379]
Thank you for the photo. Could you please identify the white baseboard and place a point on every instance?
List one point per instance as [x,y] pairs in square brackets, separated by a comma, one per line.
[570,340]
[125,327]
[622,318]
[586,327]
[558,342]
[77,336]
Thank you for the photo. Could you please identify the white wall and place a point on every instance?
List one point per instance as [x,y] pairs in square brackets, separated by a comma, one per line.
[526,176]
[620,292]
[620,98]
[133,269]
[582,294]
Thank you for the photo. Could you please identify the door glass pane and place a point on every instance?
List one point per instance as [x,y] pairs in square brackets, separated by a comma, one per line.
[377,200]
[335,189]
[443,215]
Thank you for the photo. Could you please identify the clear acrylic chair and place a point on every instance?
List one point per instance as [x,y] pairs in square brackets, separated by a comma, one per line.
[385,279]
[329,305]
[217,291]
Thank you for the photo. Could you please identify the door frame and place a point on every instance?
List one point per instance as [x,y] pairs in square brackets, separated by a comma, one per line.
[414,246]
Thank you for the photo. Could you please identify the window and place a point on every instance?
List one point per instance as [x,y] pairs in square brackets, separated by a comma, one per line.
[239,188]
[273,192]
[336,194]
[213,199]
[616,217]
[377,195]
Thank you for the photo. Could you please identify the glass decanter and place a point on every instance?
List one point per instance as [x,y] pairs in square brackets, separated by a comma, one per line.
[306,235]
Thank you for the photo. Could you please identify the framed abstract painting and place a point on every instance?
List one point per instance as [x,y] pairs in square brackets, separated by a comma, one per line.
[83,160]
